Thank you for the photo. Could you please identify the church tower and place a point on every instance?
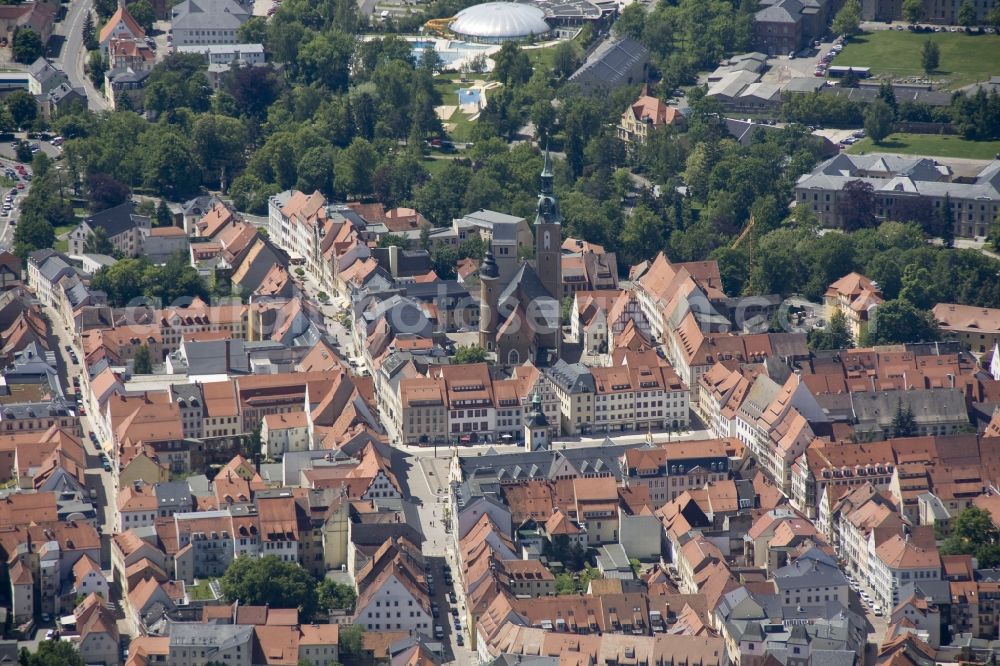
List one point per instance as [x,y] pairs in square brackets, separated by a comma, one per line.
[489,300]
[548,235]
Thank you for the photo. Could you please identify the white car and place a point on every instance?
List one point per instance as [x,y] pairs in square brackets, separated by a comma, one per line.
[50,634]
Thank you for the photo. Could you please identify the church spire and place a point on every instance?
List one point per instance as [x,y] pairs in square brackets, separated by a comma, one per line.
[547,175]
[548,207]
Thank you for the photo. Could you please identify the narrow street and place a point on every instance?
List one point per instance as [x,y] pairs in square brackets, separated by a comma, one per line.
[427,480]
[73,57]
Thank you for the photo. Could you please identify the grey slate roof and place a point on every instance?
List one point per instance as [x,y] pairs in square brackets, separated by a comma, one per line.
[115,220]
[546,464]
[808,572]
[51,264]
[572,378]
[208,14]
[611,64]
[173,494]
[929,407]
[209,636]
[42,71]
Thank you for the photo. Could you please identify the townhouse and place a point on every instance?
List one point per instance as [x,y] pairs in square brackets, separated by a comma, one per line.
[393,590]
[639,393]
[667,470]
[856,298]
[899,561]
[977,329]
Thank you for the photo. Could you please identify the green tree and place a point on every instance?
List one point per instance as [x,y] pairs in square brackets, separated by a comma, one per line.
[52,653]
[219,142]
[966,13]
[28,46]
[169,162]
[97,243]
[123,281]
[143,14]
[89,33]
[847,22]
[632,21]
[913,10]
[430,60]
[270,581]
[971,530]
[22,151]
[993,237]
[23,108]
[836,335]
[354,167]
[97,65]
[142,364]
[164,218]
[332,594]
[878,121]
[470,354]
[903,423]
[511,65]
[33,232]
[641,235]
[254,31]
[565,57]
[325,59]
[930,56]
[105,8]
[392,239]
[351,640]
[898,322]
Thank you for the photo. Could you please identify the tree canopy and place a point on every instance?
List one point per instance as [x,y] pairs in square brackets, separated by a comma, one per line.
[973,533]
[270,581]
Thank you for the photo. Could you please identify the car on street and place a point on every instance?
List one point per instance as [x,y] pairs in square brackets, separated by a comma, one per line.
[106,466]
[452,597]
[459,640]
[458,624]
[438,631]
[20,186]
[50,634]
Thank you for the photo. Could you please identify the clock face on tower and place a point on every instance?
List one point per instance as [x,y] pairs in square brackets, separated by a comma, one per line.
[547,240]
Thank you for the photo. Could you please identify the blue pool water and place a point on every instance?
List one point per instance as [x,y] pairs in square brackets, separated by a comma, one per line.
[421,44]
[446,57]
[469,96]
[465,46]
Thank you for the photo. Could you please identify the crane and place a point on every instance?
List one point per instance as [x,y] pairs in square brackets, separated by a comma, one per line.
[747,233]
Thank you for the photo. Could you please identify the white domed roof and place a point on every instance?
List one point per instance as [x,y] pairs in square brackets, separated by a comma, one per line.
[500,20]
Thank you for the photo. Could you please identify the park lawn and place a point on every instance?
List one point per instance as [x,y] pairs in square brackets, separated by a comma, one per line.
[965,58]
[200,592]
[932,145]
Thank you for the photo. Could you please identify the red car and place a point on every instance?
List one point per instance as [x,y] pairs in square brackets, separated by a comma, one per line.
[20,186]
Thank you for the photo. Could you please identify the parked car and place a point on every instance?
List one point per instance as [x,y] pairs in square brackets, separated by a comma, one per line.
[459,639]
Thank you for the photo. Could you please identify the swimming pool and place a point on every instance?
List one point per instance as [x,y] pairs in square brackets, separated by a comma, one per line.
[421,44]
[469,96]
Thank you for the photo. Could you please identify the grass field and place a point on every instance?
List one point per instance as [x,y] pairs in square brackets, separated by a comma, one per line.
[965,58]
[932,145]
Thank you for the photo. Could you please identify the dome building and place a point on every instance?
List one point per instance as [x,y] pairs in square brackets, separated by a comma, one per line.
[498,22]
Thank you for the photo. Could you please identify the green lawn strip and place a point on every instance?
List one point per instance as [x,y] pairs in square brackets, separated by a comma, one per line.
[965,58]
[932,145]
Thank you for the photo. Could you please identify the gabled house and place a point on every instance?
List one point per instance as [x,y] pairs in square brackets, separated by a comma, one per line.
[123,227]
